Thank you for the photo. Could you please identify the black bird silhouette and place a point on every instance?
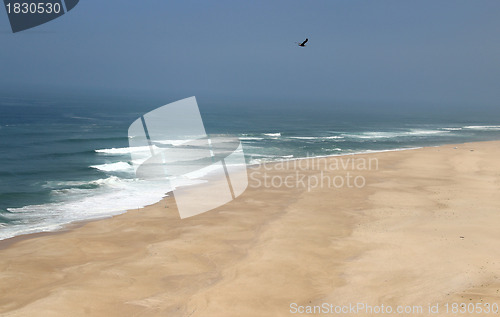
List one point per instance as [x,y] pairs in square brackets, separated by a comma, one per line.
[303,44]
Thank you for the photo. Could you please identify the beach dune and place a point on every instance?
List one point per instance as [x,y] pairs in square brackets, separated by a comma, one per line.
[416,228]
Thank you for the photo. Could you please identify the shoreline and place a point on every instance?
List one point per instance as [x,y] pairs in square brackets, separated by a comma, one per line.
[4,243]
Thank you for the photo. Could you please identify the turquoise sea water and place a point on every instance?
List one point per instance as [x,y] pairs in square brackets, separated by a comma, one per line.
[64,161]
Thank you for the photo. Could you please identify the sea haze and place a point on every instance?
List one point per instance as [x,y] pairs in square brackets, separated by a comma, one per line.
[63,161]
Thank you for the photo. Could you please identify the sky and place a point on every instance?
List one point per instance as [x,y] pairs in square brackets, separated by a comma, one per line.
[407,53]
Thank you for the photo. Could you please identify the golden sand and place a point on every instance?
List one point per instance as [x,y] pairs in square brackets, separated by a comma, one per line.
[423,229]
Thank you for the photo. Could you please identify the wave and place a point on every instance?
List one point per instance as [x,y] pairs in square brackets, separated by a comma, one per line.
[483,127]
[138,149]
[316,138]
[123,150]
[77,204]
[333,137]
[250,138]
[91,184]
[304,137]
[425,132]
[276,158]
[273,134]
[390,135]
[113,167]
[263,155]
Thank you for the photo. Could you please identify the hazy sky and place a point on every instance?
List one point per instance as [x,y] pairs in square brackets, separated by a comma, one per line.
[437,52]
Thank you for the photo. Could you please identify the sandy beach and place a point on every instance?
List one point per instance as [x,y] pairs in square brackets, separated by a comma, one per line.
[413,228]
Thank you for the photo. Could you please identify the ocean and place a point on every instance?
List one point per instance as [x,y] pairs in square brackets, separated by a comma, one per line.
[64,160]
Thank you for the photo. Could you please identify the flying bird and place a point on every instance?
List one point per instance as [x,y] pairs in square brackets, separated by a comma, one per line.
[303,44]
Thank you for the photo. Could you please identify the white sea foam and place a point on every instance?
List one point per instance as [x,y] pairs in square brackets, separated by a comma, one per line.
[75,201]
[396,134]
[72,184]
[114,167]
[275,158]
[425,132]
[483,127]
[123,150]
[273,134]
[304,137]
[111,196]
[250,138]
[316,138]
[114,196]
